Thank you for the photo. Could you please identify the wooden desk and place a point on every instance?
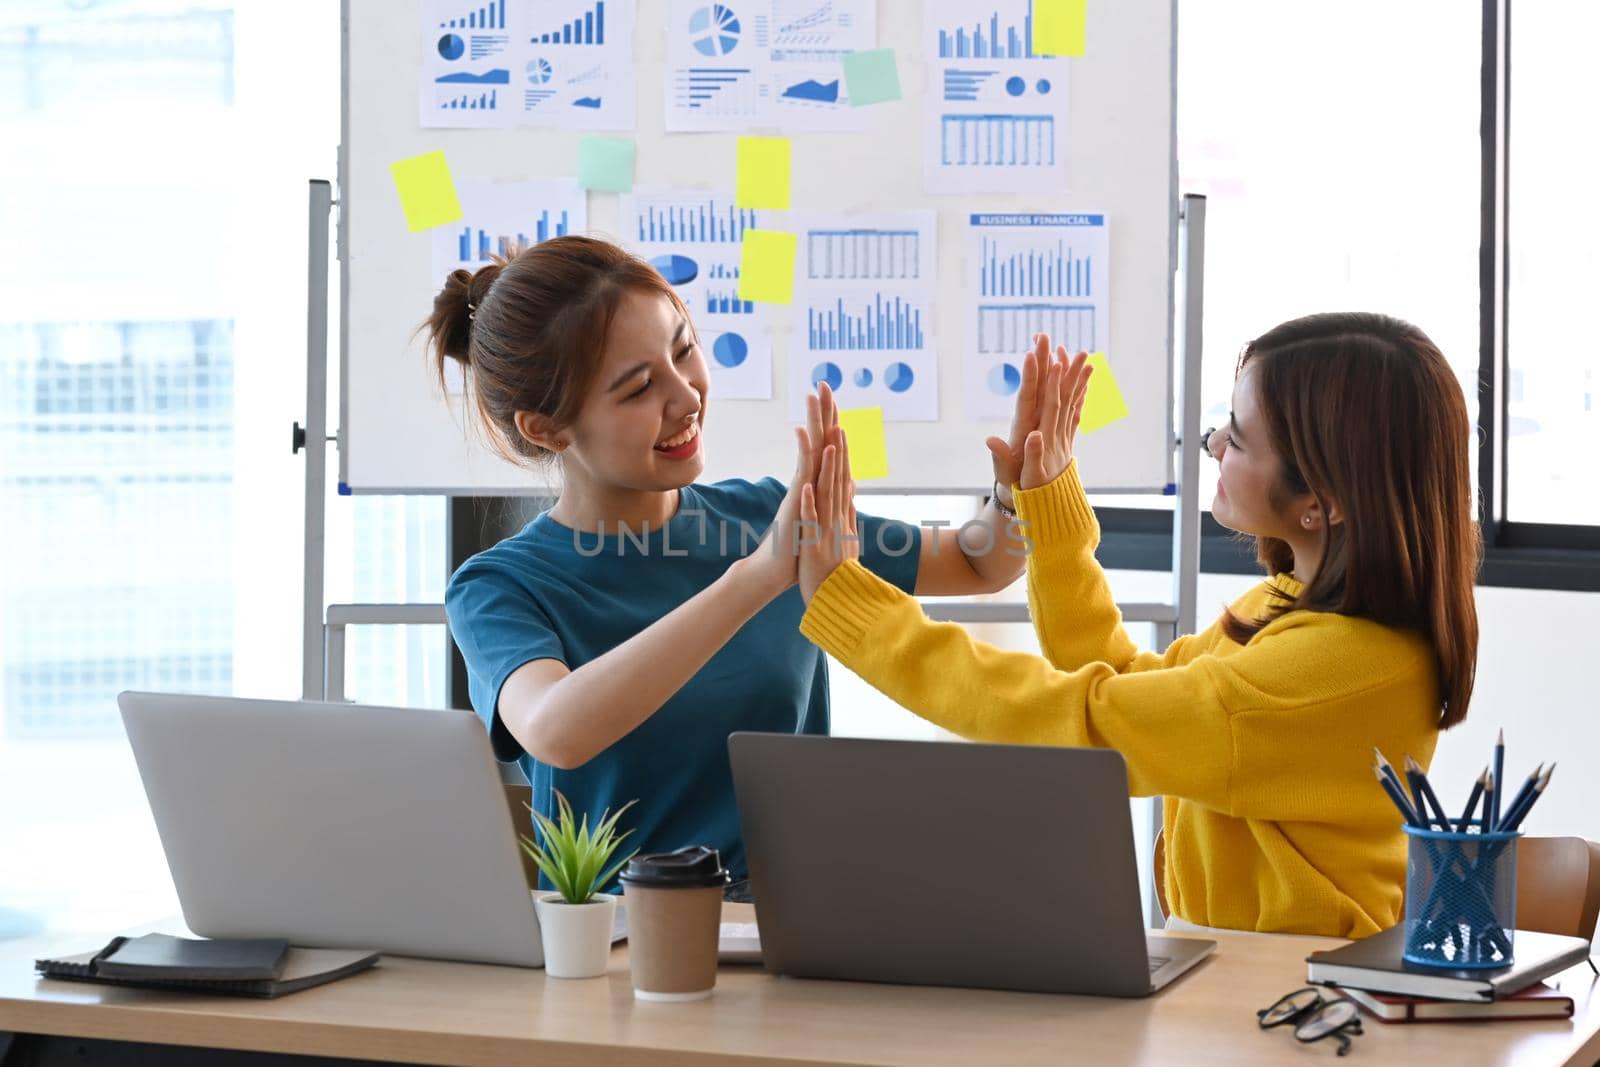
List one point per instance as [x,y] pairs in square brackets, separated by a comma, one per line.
[422,1011]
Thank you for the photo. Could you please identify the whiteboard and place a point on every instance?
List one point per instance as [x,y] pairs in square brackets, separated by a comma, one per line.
[397,434]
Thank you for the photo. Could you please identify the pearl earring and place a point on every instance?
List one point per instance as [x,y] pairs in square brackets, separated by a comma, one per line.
[1306,519]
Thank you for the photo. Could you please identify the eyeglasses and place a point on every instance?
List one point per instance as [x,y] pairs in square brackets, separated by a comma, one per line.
[1205,441]
[1314,1017]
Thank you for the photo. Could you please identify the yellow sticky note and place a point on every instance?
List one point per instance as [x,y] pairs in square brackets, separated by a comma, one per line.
[766,266]
[427,192]
[1103,403]
[1059,27]
[869,456]
[763,178]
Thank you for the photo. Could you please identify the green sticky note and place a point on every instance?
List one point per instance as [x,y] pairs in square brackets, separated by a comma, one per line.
[1103,403]
[606,164]
[766,266]
[869,456]
[871,77]
[1059,27]
[427,192]
[763,178]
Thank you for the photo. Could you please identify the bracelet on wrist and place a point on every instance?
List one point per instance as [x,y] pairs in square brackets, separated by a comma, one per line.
[1000,505]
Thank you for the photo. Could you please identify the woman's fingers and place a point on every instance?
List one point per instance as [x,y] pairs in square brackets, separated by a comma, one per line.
[802,467]
[830,410]
[1050,409]
[1033,461]
[830,459]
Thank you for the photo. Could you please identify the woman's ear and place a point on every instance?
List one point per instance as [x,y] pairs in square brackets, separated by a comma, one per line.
[536,430]
[1313,516]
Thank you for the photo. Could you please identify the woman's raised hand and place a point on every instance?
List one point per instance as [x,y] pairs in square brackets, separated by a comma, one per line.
[828,517]
[1007,452]
[1047,447]
[777,559]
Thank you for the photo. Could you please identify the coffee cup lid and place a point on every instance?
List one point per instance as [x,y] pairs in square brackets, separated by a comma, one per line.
[693,867]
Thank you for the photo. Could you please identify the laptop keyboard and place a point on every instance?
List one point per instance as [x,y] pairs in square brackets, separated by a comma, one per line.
[1158,962]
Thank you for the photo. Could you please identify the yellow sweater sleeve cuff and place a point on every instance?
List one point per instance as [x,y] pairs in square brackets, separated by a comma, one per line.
[1058,512]
[845,607]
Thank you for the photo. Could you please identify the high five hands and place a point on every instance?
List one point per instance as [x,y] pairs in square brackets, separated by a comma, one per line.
[1044,426]
[777,559]
[1044,423]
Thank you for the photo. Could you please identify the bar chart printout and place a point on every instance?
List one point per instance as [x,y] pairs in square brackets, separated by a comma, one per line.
[995,114]
[502,218]
[693,239]
[1030,273]
[550,63]
[866,281]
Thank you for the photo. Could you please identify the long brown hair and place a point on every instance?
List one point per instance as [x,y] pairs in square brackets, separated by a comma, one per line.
[1362,410]
[532,329]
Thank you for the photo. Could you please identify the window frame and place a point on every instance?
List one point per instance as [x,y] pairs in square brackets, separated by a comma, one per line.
[1523,555]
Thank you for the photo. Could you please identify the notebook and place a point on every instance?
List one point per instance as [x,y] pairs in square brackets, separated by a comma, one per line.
[1538,1001]
[1375,964]
[299,968]
[164,956]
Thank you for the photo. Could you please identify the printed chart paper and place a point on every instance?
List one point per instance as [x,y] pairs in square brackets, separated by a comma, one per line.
[693,237]
[749,64]
[994,112]
[491,64]
[863,318]
[500,218]
[1026,274]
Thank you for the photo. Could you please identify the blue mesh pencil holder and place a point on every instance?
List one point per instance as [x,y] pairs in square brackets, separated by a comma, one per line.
[1461,898]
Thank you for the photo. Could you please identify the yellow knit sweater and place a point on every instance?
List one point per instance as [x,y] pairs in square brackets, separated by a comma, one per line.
[1263,751]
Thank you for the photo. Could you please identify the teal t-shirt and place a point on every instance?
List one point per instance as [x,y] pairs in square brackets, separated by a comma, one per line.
[548,592]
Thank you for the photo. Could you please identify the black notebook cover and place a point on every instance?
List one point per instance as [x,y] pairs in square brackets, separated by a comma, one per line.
[302,968]
[163,956]
[1376,964]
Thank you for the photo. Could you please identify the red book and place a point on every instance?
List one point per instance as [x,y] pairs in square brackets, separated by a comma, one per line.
[1538,1001]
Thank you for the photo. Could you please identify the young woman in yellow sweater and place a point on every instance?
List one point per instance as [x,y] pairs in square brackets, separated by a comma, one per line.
[1346,458]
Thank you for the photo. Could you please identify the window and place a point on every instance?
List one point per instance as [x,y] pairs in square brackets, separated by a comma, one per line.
[151,326]
[1338,150]
[1553,267]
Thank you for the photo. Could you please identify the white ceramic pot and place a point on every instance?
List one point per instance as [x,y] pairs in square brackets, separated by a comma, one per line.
[577,937]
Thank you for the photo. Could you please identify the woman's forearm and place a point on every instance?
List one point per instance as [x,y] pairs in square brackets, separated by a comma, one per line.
[996,547]
[593,707]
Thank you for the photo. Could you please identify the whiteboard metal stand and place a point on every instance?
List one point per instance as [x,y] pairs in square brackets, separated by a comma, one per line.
[324,625]
[313,438]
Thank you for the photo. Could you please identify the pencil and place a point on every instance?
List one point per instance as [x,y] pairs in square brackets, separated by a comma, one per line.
[1389,773]
[1522,794]
[1472,802]
[1426,796]
[1397,797]
[1515,817]
[1499,777]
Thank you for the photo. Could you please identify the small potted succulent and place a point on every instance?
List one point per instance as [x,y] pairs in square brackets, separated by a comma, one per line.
[575,921]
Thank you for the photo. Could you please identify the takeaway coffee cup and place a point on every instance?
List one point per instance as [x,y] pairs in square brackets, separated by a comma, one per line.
[674,915]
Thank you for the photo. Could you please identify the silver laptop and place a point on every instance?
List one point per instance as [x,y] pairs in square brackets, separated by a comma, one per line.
[336,825]
[937,863]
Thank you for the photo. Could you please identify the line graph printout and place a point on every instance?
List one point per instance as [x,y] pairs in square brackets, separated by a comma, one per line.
[547,63]
[1027,273]
[863,320]
[741,64]
[693,238]
[994,112]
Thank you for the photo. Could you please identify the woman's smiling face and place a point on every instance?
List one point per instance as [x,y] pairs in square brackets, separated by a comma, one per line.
[639,428]
[1252,497]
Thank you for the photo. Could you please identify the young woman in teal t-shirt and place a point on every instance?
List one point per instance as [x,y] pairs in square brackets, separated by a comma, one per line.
[615,665]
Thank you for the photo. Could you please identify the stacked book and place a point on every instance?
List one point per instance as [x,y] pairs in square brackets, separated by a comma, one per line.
[1373,974]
